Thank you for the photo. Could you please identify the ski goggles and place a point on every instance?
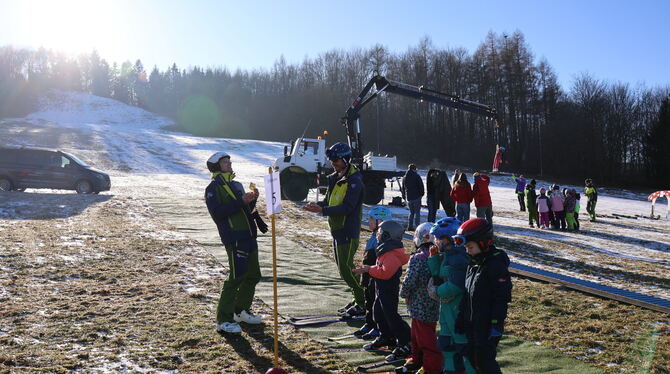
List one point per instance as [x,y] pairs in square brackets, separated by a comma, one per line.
[334,156]
[459,240]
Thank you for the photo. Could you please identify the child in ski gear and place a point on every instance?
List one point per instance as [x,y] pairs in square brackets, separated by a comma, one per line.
[488,292]
[376,215]
[543,205]
[557,200]
[422,308]
[437,192]
[343,205]
[531,204]
[448,264]
[462,195]
[233,211]
[482,196]
[569,207]
[578,207]
[412,191]
[385,274]
[520,186]
[592,196]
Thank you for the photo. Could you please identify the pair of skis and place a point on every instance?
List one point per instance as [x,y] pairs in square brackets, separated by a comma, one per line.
[322,319]
[378,364]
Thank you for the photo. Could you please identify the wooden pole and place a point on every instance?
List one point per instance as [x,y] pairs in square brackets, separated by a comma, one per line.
[274,284]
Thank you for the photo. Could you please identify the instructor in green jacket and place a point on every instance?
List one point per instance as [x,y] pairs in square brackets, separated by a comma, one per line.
[343,205]
[236,218]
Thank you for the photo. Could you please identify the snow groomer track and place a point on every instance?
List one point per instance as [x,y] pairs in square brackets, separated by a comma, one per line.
[625,296]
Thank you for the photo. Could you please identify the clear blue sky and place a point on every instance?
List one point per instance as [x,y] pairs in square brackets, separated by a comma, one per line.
[612,40]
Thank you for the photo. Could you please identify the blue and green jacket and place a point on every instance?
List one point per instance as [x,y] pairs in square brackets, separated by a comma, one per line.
[343,204]
[231,215]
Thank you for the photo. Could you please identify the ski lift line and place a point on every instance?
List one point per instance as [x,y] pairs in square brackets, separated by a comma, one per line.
[625,296]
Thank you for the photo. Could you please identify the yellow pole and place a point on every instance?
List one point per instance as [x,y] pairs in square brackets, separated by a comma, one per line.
[274,284]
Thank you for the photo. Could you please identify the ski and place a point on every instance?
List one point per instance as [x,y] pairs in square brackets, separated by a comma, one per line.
[378,364]
[315,316]
[385,350]
[342,337]
[325,321]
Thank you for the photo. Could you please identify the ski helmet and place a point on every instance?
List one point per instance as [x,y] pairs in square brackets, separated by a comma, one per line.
[475,230]
[542,190]
[422,234]
[446,226]
[380,212]
[391,230]
[339,150]
[213,161]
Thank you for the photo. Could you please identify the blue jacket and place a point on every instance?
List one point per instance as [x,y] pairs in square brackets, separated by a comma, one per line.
[412,186]
[232,216]
[343,204]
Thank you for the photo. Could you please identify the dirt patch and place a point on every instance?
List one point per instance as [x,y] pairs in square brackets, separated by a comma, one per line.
[114,289]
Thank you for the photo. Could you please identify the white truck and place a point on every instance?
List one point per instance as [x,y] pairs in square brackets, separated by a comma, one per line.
[304,166]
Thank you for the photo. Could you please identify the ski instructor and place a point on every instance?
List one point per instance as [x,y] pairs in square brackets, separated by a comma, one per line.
[237,220]
[343,205]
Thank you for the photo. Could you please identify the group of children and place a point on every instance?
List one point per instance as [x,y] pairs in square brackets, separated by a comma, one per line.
[456,276]
[554,208]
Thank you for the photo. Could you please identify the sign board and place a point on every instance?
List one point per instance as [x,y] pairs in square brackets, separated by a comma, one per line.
[272,194]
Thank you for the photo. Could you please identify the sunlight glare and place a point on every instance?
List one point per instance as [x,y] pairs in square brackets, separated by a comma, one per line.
[74,26]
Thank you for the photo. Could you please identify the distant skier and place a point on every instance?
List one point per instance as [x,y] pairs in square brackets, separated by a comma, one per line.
[520,187]
[412,191]
[343,205]
[498,158]
[461,192]
[592,195]
[557,200]
[482,196]
[235,216]
[437,192]
[531,204]
[543,207]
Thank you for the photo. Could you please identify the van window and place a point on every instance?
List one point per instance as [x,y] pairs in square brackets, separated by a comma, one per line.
[34,157]
[7,156]
[75,159]
[59,161]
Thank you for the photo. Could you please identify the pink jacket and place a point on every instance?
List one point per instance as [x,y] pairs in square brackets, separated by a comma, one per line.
[389,263]
[542,204]
[557,201]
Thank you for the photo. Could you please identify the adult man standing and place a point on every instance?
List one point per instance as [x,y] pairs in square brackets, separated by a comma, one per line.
[235,216]
[438,189]
[592,195]
[412,191]
[343,205]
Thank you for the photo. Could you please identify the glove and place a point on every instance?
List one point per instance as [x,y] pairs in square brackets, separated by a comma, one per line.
[262,226]
[495,334]
[433,250]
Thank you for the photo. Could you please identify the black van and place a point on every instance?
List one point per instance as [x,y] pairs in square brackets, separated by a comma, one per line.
[22,168]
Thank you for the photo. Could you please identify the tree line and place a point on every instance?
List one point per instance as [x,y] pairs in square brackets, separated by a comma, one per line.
[609,131]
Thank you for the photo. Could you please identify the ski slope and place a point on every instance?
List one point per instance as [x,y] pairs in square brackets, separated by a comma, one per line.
[147,161]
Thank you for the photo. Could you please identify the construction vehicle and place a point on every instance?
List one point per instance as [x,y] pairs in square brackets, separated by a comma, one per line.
[304,165]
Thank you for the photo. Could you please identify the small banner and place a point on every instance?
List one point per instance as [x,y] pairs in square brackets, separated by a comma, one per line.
[272,194]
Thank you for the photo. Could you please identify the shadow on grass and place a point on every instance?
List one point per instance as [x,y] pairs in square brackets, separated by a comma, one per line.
[244,349]
[293,359]
[43,205]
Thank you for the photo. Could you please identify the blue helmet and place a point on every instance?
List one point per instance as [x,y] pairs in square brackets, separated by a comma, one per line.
[380,212]
[447,226]
[339,150]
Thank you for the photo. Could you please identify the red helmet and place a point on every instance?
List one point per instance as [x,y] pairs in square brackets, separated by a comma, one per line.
[477,230]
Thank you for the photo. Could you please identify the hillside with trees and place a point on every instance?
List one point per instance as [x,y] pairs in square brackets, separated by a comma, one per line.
[611,131]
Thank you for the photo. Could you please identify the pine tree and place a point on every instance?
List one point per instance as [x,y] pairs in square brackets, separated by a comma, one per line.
[658,142]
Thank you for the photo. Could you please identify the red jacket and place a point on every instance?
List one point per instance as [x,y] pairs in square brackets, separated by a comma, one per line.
[389,263]
[481,191]
[461,194]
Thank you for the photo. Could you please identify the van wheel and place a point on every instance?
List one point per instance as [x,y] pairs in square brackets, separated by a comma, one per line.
[84,186]
[5,184]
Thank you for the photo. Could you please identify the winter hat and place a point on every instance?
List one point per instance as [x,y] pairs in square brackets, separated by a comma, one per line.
[533,182]
[542,190]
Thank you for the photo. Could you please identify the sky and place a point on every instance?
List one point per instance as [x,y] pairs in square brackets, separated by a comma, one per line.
[616,41]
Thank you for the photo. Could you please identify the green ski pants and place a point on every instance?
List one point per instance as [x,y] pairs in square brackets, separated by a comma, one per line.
[570,219]
[344,258]
[243,275]
[533,216]
[591,209]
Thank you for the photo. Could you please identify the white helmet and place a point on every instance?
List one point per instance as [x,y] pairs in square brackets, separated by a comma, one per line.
[422,234]
[213,161]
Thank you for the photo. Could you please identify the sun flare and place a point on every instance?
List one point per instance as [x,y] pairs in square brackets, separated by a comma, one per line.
[72,26]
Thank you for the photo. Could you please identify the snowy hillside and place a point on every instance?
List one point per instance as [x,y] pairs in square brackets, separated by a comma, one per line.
[147,161]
